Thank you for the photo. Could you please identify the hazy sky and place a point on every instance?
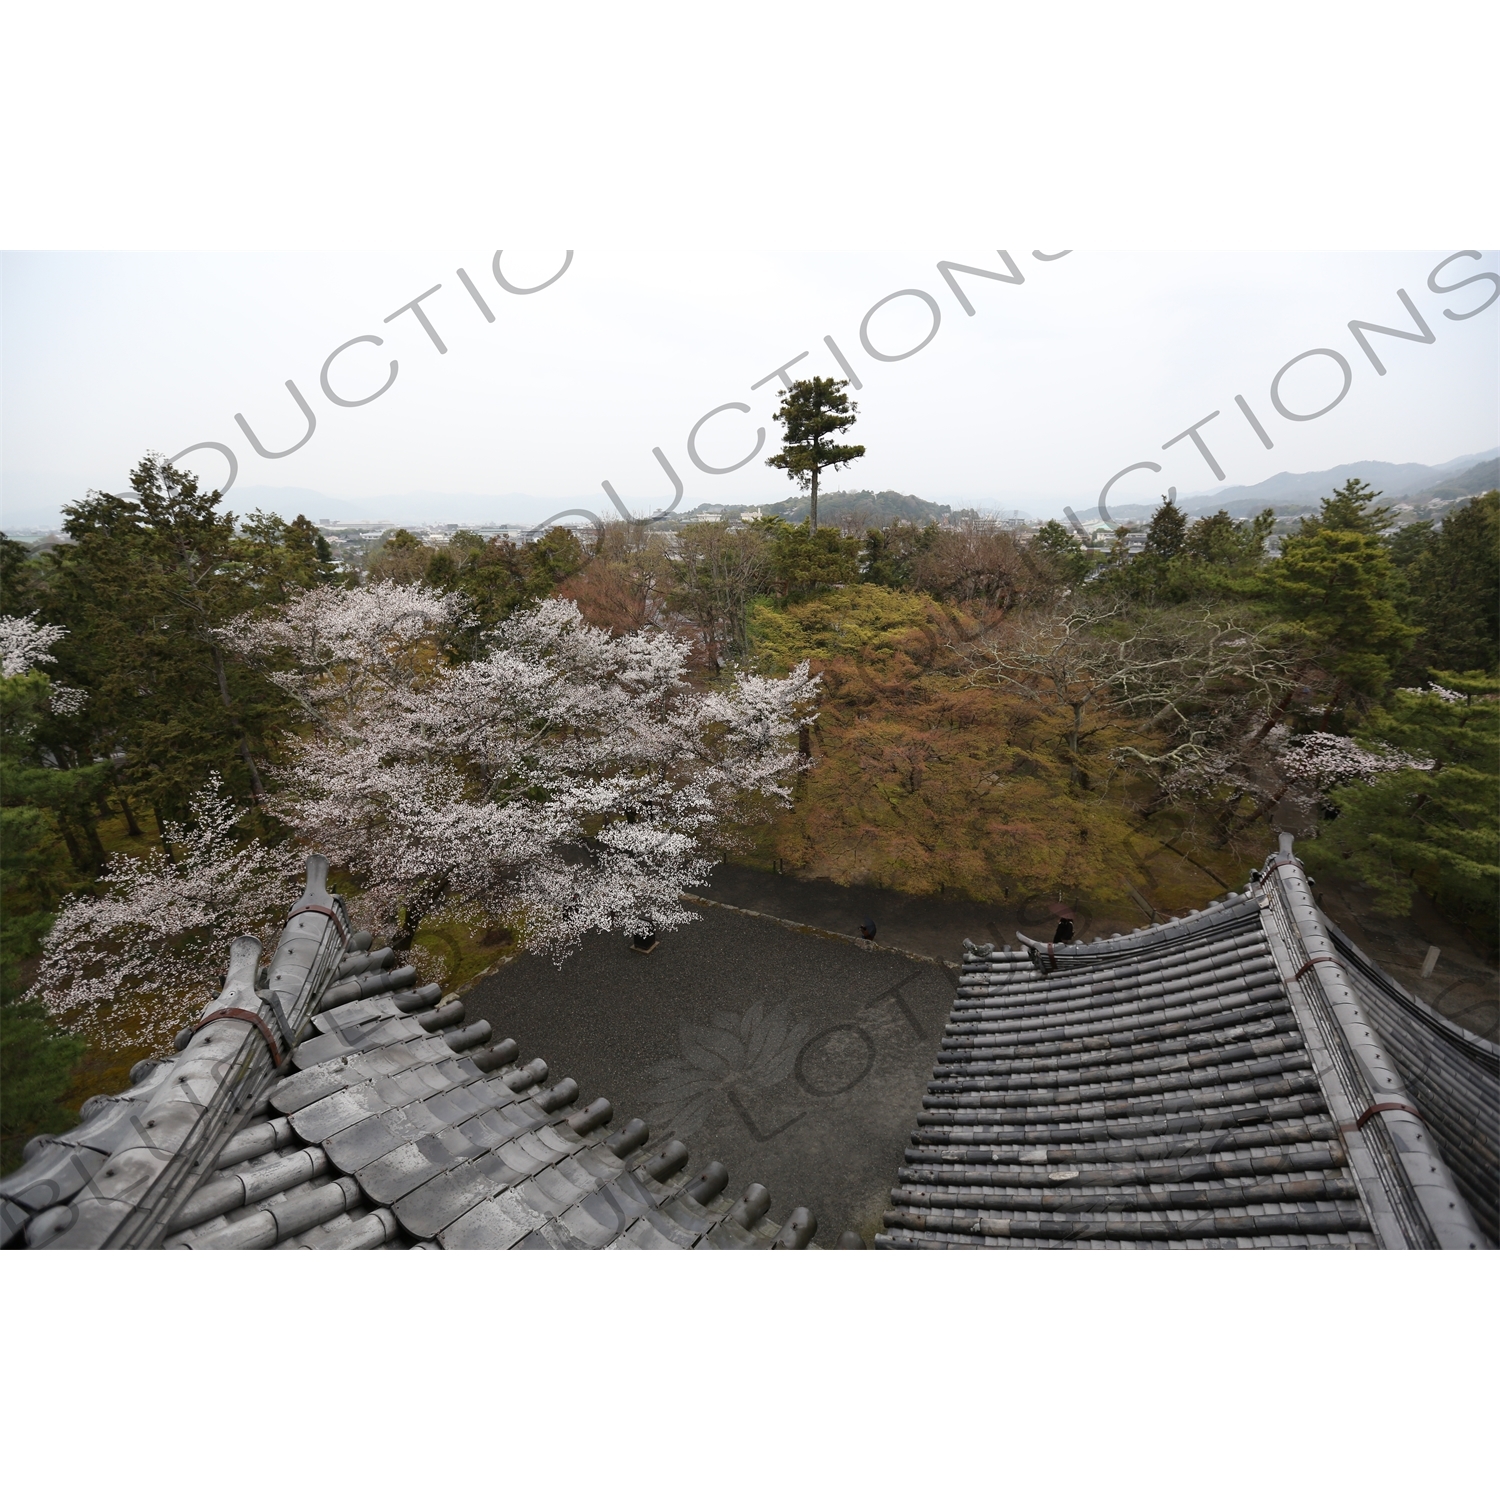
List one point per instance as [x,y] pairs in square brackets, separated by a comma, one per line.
[1052,386]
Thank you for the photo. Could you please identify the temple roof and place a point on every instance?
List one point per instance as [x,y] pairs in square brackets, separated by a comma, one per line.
[1241,1077]
[326,1101]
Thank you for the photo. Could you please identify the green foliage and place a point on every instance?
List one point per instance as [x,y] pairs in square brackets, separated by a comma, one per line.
[1059,548]
[37,802]
[812,414]
[862,620]
[1213,558]
[1453,581]
[36,1065]
[1351,507]
[283,554]
[44,812]
[856,509]
[1336,580]
[15,582]
[145,583]
[804,562]
[495,576]
[1223,542]
[1167,534]
[892,552]
[1436,830]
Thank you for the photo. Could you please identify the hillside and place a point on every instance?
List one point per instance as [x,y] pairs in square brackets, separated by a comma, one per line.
[877,508]
[1476,481]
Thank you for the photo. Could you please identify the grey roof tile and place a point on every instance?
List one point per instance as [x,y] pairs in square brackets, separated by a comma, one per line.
[1153,1089]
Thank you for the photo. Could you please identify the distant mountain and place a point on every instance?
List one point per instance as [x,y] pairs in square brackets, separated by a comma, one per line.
[1303,491]
[1483,476]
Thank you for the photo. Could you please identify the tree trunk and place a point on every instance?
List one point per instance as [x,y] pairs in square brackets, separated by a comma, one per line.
[1075,773]
[74,852]
[1275,718]
[91,833]
[130,823]
[812,510]
[416,911]
[161,831]
[1225,820]
[257,791]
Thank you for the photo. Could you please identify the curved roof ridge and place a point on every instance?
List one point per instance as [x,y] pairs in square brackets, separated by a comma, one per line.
[1412,1196]
[1235,907]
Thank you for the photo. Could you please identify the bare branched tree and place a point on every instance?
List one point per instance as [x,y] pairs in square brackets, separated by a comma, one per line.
[624,585]
[717,571]
[978,561]
[1193,678]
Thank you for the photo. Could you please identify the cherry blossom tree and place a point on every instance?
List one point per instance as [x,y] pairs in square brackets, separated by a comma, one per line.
[564,781]
[127,964]
[24,646]
[1322,761]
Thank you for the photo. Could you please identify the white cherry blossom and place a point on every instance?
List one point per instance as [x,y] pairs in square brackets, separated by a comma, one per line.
[563,782]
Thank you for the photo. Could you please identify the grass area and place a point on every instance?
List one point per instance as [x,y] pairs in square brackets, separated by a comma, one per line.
[466,954]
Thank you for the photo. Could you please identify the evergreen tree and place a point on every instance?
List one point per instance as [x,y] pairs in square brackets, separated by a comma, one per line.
[891,552]
[36,1064]
[1338,583]
[39,807]
[813,413]
[499,577]
[1453,580]
[15,581]
[1219,540]
[1435,830]
[1060,550]
[149,578]
[46,817]
[1167,534]
[1351,507]
[804,562]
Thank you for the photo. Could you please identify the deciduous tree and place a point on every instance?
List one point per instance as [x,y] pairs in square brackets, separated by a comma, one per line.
[718,570]
[1190,675]
[125,965]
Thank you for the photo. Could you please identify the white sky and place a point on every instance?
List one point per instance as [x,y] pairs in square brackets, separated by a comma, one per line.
[1051,387]
[197,211]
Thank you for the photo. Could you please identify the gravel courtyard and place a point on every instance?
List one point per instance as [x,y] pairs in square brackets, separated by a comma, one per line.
[797,1060]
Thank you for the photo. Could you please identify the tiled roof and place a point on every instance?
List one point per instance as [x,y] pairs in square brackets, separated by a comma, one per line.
[391,1124]
[1235,1078]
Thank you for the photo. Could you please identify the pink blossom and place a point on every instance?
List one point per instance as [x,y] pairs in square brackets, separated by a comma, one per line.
[128,965]
[565,781]
[1324,761]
